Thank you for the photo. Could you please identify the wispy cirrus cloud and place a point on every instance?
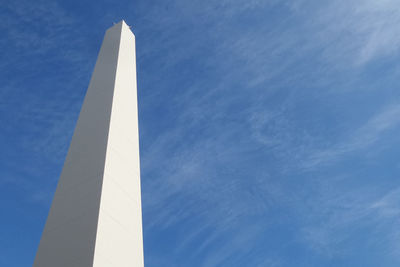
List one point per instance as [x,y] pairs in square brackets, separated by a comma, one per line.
[41,45]
[244,121]
[357,32]
[332,225]
[246,114]
[359,139]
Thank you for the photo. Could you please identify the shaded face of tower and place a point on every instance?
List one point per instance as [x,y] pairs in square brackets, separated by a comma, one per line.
[95,218]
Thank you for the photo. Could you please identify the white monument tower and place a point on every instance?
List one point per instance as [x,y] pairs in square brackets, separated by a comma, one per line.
[96,218]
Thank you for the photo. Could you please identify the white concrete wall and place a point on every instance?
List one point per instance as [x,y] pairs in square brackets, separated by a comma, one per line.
[119,234]
[95,218]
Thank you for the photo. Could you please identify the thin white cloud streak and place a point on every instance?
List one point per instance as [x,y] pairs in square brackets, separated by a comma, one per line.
[240,242]
[359,139]
[22,30]
[357,32]
[45,36]
[333,217]
[188,185]
[300,150]
[259,55]
[388,205]
[41,32]
[38,106]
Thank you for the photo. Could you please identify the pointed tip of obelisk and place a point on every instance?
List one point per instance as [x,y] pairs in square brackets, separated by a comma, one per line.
[121,24]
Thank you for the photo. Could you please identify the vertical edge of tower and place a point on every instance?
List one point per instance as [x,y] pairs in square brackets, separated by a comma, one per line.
[119,240]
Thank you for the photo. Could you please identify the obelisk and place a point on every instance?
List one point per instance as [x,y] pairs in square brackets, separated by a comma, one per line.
[95,217]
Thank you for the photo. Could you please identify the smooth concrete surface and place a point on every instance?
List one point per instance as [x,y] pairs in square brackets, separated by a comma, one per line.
[95,218]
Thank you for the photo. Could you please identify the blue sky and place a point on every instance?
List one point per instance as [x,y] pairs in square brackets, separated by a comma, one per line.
[269,129]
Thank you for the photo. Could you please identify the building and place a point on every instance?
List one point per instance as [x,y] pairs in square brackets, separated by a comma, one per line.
[95,218]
